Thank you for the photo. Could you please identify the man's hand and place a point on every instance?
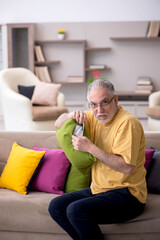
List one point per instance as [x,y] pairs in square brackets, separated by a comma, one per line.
[81,143]
[78,116]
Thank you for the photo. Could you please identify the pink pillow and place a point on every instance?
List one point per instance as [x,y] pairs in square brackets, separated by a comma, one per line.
[148,155]
[45,94]
[52,172]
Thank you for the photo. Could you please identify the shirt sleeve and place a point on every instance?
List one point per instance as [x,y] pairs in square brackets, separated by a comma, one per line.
[127,142]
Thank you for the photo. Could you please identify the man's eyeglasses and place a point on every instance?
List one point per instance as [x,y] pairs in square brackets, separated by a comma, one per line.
[103,104]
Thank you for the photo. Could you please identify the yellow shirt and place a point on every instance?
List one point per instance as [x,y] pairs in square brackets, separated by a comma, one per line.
[124,136]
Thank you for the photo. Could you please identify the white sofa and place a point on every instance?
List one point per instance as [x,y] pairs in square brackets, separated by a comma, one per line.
[17,109]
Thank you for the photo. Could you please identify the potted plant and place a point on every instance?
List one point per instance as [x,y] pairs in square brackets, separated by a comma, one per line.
[61,34]
[96,75]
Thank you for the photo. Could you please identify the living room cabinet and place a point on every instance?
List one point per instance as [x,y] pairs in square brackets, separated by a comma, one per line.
[135,103]
[85,57]
[138,108]
[94,57]
[20,46]
[57,53]
[134,38]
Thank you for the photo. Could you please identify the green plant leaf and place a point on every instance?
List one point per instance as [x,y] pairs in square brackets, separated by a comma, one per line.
[90,80]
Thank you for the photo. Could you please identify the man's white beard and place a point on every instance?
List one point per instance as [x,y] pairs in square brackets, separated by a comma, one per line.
[102,121]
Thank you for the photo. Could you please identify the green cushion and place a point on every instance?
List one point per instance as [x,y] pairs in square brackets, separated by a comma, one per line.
[79,175]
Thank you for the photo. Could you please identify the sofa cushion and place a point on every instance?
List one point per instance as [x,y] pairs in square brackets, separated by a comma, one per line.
[45,94]
[20,167]
[52,172]
[148,156]
[26,213]
[153,112]
[34,206]
[153,174]
[43,113]
[79,174]
[26,91]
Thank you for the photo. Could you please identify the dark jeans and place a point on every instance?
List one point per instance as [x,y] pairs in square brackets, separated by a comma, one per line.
[80,212]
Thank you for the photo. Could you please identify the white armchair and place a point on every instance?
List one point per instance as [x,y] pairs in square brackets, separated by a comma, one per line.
[153,112]
[17,109]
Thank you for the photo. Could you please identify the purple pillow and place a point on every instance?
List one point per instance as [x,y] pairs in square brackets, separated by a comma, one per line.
[52,172]
[148,155]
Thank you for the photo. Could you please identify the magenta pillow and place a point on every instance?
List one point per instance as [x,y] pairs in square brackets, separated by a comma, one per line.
[51,175]
[148,155]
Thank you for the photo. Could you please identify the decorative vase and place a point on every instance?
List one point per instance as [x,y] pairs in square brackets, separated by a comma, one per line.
[61,36]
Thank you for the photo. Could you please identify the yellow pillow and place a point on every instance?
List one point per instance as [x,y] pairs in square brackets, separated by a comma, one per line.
[20,167]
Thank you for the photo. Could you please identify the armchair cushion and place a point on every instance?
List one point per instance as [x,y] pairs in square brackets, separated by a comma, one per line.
[45,94]
[42,113]
[153,112]
[26,91]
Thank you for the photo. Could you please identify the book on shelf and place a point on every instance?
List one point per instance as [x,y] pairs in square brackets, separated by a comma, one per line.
[153,29]
[144,85]
[43,74]
[75,79]
[39,53]
[142,91]
[143,80]
[97,66]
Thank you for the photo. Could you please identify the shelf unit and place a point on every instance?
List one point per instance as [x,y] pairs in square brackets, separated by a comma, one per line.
[46,63]
[133,96]
[97,48]
[20,46]
[134,38]
[51,63]
[135,103]
[58,41]
[94,50]
[97,69]
[85,51]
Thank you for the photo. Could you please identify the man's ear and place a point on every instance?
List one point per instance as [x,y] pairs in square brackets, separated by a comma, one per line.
[116,100]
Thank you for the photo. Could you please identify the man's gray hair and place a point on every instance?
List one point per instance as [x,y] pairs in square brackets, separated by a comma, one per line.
[98,83]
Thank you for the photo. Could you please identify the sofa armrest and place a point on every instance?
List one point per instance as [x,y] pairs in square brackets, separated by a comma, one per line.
[153,112]
[17,103]
[60,100]
[154,99]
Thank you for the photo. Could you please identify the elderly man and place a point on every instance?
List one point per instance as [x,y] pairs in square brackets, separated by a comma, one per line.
[118,187]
